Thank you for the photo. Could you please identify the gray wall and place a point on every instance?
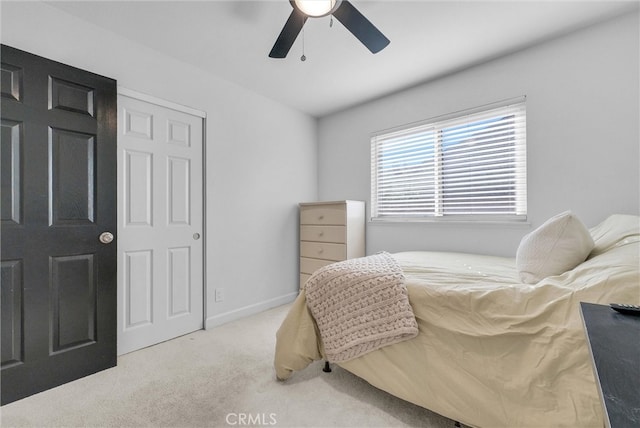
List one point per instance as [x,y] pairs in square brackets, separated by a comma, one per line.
[251,223]
[583,136]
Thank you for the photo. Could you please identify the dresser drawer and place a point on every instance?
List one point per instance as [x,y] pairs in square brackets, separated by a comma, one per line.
[323,250]
[303,279]
[326,214]
[335,234]
[309,266]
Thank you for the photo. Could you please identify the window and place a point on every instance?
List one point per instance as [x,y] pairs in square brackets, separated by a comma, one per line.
[468,167]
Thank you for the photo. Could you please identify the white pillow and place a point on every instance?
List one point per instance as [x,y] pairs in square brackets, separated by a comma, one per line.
[557,246]
[612,230]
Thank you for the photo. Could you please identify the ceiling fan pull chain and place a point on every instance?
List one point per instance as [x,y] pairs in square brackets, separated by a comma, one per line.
[303,57]
[331,22]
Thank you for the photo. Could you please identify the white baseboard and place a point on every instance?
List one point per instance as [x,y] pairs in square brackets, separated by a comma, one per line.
[246,311]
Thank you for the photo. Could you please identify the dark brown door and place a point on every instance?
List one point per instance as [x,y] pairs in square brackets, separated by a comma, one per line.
[58,170]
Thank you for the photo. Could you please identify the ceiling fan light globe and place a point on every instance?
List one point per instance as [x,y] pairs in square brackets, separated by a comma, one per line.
[316,8]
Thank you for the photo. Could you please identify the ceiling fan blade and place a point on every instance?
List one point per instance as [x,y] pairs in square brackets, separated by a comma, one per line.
[360,27]
[288,35]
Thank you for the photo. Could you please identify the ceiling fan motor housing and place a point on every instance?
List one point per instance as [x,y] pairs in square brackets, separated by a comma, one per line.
[316,8]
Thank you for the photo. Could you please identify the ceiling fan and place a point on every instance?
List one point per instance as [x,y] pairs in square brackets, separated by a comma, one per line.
[344,12]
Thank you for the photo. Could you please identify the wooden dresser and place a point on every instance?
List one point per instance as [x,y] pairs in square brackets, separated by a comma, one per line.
[330,232]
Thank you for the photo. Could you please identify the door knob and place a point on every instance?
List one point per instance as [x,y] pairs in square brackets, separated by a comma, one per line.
[106,237]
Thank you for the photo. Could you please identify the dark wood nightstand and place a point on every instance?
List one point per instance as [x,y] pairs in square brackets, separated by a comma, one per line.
[614,345]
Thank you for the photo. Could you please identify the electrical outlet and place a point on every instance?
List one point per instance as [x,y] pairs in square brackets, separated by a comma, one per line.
[219,294]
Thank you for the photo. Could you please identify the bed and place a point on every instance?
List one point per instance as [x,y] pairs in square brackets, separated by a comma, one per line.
[493,349]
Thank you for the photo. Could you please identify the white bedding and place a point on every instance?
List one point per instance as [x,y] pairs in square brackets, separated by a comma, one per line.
[492,351]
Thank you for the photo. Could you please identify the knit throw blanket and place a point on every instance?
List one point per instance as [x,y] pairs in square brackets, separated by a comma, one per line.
[360,305]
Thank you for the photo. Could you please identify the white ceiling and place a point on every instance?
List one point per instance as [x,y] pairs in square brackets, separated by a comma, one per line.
[231,39]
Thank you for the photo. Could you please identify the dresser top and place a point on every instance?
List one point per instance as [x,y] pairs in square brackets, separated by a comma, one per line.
[330,202]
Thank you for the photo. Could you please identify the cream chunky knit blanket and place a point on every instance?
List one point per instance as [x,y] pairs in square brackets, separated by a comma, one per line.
[360,305]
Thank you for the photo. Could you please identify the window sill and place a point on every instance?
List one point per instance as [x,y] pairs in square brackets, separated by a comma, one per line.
[524,223]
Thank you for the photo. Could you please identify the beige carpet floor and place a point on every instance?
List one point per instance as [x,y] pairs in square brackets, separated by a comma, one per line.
[222,377]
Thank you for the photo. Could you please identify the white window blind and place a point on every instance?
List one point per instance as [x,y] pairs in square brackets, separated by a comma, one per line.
[466,167]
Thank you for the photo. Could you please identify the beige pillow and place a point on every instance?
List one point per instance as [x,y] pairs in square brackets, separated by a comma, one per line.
[557,246]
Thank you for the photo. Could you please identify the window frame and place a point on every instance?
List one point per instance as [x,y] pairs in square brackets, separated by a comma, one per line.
[515,106]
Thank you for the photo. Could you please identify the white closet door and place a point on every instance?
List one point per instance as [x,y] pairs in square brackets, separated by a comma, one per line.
[160,224]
